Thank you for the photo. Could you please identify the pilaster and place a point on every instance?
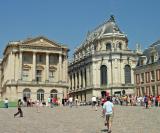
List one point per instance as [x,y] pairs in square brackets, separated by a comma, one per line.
[47,66]
[34,67]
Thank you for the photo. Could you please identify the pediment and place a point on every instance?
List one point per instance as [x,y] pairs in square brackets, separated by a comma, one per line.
[40,41]
[52,68]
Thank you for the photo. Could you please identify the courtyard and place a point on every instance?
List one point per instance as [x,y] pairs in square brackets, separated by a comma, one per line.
[83,119]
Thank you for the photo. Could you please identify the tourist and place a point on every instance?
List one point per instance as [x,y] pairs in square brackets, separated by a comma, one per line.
[6,102]
[94,102]
[146,101]
[76,102]
[108,112]
[19,109]
[158,100]
[70,101]
[38,106]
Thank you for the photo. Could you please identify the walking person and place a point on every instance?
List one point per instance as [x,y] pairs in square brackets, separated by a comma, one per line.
[19,109]
[108,111]
[6,102]
[70,101]
[146,101]
[94,102]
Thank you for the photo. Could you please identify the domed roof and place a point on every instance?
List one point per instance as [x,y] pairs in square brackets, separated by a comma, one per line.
[111,27]
[107,28]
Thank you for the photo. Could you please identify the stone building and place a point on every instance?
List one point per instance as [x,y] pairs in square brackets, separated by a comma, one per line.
[34,68]
[147,71]
[102,63]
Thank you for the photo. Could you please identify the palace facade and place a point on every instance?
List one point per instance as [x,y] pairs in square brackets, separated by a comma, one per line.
[103,63]
[34,68]
[147,72]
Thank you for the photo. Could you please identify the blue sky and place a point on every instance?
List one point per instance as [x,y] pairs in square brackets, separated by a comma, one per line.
[67,21]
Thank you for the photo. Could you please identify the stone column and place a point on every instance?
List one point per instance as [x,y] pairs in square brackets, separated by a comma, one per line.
[83,72]
[72,81]
[47,66]
[88,76]
[60,67]
[76,81]
[79,79]
[34,67]
[66,68]
[20,65]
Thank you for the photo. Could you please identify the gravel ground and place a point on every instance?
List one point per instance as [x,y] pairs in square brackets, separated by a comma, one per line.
[83,119]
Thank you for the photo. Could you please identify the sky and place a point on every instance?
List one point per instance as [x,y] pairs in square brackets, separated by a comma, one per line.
[68,21]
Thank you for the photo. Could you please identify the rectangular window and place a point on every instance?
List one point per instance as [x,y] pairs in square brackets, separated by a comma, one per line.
[142,78]
[137,79]
[158,74]
[51,75]
[152,76]
[153,90]
[143,92]
[25,74]
[147,77]
[152,58]
[39,75]
[40,59]
[142,62]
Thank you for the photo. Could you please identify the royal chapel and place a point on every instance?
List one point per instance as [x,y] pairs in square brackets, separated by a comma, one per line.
[103,62]
[34,68]
[38,68]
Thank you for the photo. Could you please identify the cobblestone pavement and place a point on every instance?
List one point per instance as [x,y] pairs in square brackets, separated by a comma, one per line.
[80,120]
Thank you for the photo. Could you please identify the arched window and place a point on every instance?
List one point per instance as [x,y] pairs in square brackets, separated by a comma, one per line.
[120,46]
[40,95]
[127,70]
[26,94]
[108,47]
[103,75]
[54,93]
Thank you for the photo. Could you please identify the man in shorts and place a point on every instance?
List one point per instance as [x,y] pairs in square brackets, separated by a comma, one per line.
[108,111]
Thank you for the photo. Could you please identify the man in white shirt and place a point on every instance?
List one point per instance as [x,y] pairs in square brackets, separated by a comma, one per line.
[108,111]
[70,101]
[94,102]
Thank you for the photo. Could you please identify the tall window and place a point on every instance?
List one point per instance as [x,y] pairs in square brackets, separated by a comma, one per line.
[152,76]
[25,74]
[127,74]
[81,78]
[103,75]
[142,78]
[120,46]
[40,95]
[108,47]
[152,58]
[39,75]
[143,92]
[158,74]
[40,59]
[85,77]
[51,75]
[153,90]
[147,77]
[137,79]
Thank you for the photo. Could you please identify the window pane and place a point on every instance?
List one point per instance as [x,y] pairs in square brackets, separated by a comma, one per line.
[127,74]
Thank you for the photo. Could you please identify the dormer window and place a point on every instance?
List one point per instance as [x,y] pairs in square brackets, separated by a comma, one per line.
[152,58]
[142,62]
[108,47]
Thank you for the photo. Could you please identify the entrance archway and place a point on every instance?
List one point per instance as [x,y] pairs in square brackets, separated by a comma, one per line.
[53,93]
